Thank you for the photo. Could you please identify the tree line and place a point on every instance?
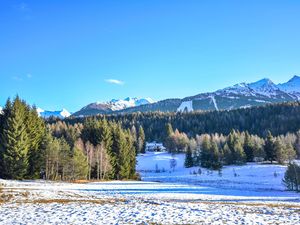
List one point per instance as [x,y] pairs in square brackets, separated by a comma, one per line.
[212,151]
[94,149]
[278,118]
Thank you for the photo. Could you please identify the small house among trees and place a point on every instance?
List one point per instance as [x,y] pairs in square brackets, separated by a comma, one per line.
[155,147]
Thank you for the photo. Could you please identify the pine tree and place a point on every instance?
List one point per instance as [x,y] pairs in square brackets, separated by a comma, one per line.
[205,151]
[227,155]
[269,148]
[249,147]
[52,146]
[239,156]
[106,142]
[123,160]
[279,151]
[36,131]
[292,177]
[65,160]
[169,129]
[80,164]
[214,156]
[14,140]
[290,152]
[141,140]
[188,158]
[297,144]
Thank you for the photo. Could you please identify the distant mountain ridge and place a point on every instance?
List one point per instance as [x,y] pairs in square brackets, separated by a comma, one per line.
[241,95]
[114,105]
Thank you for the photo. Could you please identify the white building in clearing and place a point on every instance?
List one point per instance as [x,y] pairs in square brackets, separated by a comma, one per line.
[155,147]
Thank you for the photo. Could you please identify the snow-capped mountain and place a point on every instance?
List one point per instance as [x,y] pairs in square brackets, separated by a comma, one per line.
[292,86]
[264,87]
[1,110]
[59,114]
[112,106]
[128,102]
[242,95]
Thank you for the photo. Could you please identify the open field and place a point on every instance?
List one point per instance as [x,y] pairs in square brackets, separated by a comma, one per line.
[39,202]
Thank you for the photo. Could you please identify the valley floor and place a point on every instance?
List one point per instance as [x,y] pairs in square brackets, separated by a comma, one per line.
[40,202]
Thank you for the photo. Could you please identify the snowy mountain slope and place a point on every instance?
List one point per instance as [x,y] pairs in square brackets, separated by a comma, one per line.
[291,87]
[128,102]
[246,95]
[112,106]
[59,114]
[1,110]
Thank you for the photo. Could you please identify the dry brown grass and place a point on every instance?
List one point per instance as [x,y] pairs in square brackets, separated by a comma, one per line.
[69,201]
[254,204]
[6,197]
[80,181]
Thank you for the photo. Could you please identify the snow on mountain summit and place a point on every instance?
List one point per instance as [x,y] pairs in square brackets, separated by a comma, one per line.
[292,86]
[128,102]
[59,114]
[265,87]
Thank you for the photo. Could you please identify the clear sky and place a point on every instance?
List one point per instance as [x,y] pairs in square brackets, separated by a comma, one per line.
[64,53]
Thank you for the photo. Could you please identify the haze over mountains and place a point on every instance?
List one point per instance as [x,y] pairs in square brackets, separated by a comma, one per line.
[241,95]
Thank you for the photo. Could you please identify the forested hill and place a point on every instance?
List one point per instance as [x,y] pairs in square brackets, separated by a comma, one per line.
[278,118]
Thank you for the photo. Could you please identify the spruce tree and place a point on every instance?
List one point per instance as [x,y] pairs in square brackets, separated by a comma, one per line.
[124,145]
[297,144]
[279,151]
[141,140]
[205,151]
[80,164]
[292,177]
[188,158]
[249,147]
[214,156]
[36,131]
[269,148]
[14,140]
[238,152]
[169,129]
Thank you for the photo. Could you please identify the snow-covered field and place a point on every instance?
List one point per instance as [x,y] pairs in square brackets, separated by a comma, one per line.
[250,177]
[193,199]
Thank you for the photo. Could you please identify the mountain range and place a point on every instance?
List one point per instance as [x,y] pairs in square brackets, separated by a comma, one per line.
[240,95]
[114,105]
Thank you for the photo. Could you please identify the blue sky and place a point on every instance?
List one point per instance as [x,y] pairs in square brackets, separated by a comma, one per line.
[64,53]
